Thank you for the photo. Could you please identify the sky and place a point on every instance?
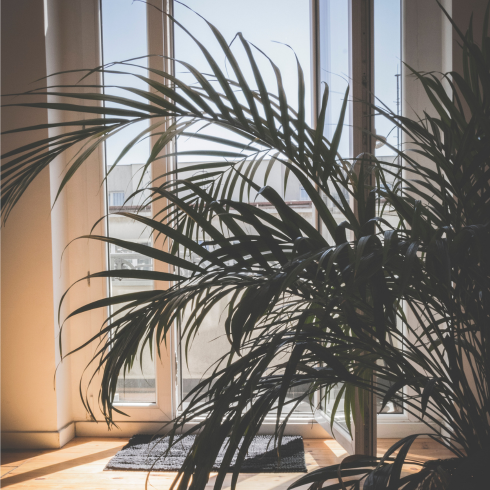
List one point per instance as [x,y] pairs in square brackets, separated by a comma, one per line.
[387,62]
[268,24]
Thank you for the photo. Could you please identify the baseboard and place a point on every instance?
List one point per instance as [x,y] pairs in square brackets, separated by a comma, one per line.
[57,439]
[398,430]
[123,429]
[38,439]
[127,429]
[309,430]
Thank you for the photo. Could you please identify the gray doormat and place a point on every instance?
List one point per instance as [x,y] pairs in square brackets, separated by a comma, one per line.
[144,454]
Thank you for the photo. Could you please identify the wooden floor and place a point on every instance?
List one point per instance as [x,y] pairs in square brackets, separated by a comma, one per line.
[80,465]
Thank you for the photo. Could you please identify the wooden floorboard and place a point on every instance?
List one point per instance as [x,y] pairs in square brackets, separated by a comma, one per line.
[80,465]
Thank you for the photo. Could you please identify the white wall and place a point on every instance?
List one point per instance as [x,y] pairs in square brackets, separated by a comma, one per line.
[37,409]
[425,47]
[426,26]
[28,359]
[72,41]
[461,14]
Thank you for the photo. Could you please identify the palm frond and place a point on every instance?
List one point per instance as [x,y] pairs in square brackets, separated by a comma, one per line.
[301,309]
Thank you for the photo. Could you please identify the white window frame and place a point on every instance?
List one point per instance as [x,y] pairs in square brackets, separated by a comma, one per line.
[149,417]
[382,425]
[143,416]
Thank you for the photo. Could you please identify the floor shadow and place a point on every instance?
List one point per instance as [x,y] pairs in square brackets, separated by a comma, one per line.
[12,456]
[47,470]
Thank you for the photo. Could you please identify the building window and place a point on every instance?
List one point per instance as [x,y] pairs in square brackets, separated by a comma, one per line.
[116,199]
[303,195]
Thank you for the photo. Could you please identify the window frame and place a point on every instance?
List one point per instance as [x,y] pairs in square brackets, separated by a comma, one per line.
[160,39]
[361,28]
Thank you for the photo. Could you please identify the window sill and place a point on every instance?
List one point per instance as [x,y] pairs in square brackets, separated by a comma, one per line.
[136,404]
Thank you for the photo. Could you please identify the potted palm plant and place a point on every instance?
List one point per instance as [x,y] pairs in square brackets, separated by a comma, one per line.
[306,308]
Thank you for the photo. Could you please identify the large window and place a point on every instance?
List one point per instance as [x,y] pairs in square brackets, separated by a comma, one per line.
[270,25]
[124,36]
[335,69]
[388,92]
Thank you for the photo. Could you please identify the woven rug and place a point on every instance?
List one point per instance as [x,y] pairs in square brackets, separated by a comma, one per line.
[144,454]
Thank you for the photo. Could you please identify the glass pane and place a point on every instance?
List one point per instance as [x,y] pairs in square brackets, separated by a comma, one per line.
[124,36]
[267,25]
[335,66]
[387,70]
[335,72]
[388,91]
[329,402]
